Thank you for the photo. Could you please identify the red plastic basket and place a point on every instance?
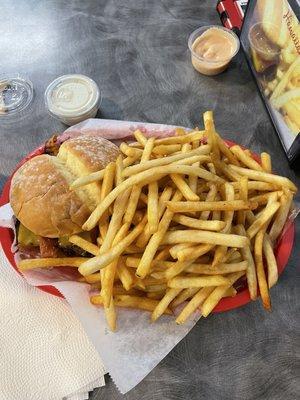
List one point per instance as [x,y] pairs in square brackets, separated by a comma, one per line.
[282,251]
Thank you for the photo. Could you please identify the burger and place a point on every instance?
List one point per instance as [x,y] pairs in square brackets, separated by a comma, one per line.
[47,210]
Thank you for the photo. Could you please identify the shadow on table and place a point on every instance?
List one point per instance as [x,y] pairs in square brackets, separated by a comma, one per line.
[109,110]
[3,179]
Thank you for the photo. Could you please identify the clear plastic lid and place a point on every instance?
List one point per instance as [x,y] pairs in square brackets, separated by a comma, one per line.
[16,93]
[72,95]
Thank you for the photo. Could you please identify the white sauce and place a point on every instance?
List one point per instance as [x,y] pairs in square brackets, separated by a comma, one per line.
[72,98]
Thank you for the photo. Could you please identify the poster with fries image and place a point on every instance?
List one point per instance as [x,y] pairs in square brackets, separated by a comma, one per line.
[271,39]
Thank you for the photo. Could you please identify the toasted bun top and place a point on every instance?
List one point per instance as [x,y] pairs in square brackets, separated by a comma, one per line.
[93,152]
[40,196]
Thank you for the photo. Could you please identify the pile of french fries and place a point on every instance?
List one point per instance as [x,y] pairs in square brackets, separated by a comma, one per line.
[182,219]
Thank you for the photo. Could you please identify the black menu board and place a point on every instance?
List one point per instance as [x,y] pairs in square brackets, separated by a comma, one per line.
[270,38]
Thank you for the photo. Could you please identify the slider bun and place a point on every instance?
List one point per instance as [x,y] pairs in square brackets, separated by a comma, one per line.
[273,23]
[40,196]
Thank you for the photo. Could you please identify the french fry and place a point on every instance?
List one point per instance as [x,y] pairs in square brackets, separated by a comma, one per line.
[136,144]
[266,162]
[232,255]
[216,295]
[140,137]
[224,169]
[216,215]
[84,244]
[261,276]
[257,185]
[271,261]
[148,148]
[189,137]
[107,280]
[174,250]
[130,151]
[180,132]
[211,168]
[142,303]
[177,268]
[128,161]
[231,292]
[186,147]
[135,169]
[263,199]
[197,281]
[133,261]
[156,239]
[138,216]
[265,177]
[197,160]
[196,251]
[85,180]
[102,260]
[211,132]
[251,272]
[119,170]
[156,295]
[124,275]
[27,264]
[93,278]
[281,216]
[184,295]
[156,288]
[245,159]
[197,236]
[263,219]
[136,190]
[211,195]
[108,179]
[107,185]
[220,269]
[143,198]
[194,303]
[184,187]
[144,237]
[163,254]
[226,151]
[164,303]
[152,209]
[234,205]
[110,315]
[193,180]
[120,289]
[166,149]
[221,251]
[243,193]
[199,224]
[132,204]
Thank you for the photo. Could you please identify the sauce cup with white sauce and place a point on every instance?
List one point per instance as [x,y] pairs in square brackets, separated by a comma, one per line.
[212,48]
[72,98]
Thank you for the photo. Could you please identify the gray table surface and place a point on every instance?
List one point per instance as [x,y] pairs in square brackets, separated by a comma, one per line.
[136,50]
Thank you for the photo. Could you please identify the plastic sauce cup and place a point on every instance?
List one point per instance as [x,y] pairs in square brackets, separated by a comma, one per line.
[212,47]
[72,98]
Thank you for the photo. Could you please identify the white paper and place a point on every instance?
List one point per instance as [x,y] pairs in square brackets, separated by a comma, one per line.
[138,345]
[45,353]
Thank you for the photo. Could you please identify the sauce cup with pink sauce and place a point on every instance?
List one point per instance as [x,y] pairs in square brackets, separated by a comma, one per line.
[212,48]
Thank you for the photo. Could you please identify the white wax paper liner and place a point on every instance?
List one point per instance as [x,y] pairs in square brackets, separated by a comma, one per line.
[138,345]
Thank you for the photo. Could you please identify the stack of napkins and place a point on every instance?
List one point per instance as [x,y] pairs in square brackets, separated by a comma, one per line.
[45,353]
